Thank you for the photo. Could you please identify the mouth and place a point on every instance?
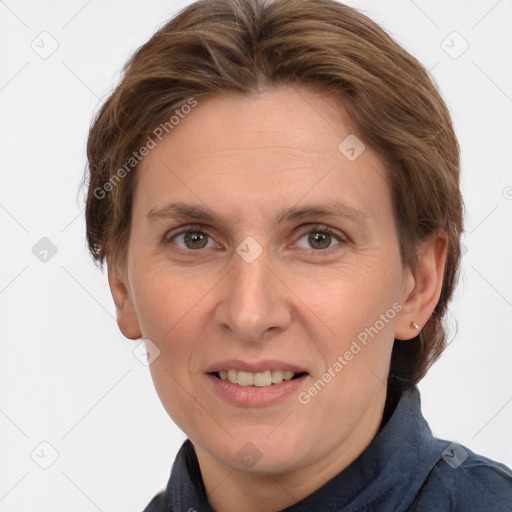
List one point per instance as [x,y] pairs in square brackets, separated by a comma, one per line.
[261,379]
[255,383]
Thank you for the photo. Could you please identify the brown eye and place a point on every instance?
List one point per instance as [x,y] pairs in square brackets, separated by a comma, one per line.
[319,240]
[194,240]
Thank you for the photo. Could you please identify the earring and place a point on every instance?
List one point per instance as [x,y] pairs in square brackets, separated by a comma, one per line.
[414,325]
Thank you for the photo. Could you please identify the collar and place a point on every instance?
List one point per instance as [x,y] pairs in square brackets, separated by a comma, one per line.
[394,465]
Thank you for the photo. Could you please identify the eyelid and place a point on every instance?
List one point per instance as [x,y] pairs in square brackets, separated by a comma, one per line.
[171,233]
[322,228]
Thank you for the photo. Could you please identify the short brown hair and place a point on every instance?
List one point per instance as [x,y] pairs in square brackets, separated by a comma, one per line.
[239,47]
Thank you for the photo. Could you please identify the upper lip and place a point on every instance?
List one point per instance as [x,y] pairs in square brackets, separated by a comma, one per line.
[254,367]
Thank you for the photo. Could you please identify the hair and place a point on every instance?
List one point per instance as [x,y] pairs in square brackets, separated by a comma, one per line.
[241,47]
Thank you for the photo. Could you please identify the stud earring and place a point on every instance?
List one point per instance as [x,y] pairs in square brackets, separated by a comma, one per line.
[414,325]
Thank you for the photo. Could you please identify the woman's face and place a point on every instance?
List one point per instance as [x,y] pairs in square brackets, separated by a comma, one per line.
[232,266]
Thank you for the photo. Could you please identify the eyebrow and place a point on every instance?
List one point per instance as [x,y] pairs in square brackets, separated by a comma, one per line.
[183,211]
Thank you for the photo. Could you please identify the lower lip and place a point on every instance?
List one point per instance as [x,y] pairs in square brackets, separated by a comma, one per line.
[252,396]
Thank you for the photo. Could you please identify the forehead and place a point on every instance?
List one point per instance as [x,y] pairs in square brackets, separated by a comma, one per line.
[274,147]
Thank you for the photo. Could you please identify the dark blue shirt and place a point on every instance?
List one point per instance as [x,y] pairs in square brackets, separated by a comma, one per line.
[404,468]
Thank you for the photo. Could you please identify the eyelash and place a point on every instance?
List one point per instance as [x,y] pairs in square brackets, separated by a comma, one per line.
[315,228]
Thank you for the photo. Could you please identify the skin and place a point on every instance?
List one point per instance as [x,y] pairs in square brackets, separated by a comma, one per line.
[249,158]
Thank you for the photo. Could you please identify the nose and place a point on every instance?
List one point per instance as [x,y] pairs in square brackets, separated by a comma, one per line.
[254,303]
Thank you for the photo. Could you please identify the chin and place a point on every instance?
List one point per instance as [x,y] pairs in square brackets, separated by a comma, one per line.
[262,453]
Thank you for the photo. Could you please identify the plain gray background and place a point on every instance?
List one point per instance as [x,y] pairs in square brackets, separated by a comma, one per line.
[68,378]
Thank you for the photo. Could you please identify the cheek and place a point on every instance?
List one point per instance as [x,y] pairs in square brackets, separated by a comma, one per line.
[165,299]
[349,300]
[171,315]
[177,395]
[354,314]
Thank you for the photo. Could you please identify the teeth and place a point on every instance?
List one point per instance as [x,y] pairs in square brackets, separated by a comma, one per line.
[259,379]
[263,379]
[277,376]
[232,375]
[245,378]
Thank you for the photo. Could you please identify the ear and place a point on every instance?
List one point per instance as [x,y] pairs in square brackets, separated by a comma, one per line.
[127,319]
[422,286]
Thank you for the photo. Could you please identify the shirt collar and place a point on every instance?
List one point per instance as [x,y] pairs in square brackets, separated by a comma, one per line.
[395,463]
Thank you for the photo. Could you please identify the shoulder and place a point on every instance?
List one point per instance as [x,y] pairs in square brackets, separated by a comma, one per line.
[462,480]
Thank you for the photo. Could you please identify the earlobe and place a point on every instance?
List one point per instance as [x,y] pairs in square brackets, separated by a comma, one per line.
[423,287]
[127,319]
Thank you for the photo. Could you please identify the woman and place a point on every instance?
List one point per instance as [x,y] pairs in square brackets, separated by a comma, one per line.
[274,187]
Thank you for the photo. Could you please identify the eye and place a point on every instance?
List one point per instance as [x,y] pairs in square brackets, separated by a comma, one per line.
[191,239]
[320,238]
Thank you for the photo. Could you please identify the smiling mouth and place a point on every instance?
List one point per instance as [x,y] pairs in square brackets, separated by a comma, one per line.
[259,379]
